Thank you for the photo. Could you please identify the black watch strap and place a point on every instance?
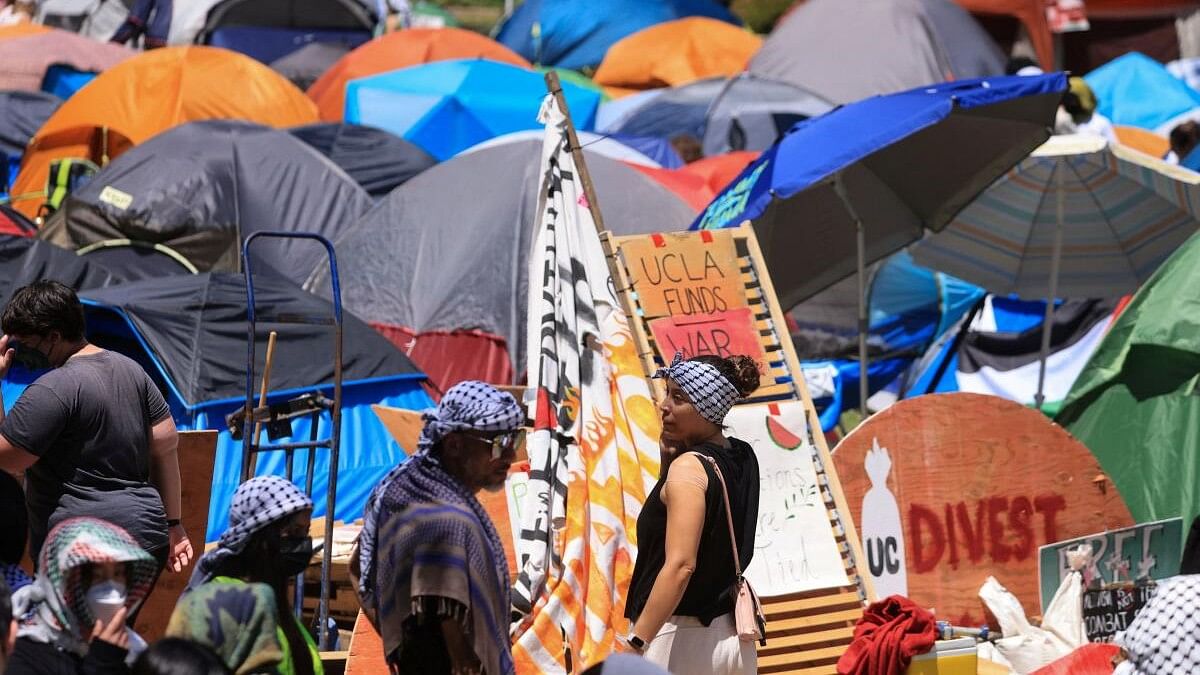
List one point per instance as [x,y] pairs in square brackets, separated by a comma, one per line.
[174,522]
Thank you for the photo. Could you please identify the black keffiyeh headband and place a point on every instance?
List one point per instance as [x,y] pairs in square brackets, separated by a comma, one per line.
[711,393]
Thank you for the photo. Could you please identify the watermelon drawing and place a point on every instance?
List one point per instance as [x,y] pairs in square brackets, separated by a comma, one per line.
[781,436]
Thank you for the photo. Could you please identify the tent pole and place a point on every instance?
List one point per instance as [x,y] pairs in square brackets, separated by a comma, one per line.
[860,269]
[1055,258]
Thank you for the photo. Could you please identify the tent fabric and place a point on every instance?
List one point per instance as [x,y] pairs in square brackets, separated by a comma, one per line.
[63,81]
[1123,214]
[1136,90]
[24,59]
[377,160]
[692,189]
[740,113]
[267,45]
[22,113]
[1135,404]
[268,30]
[608,146]
[447,106]
[24,260]
[398,270]
[306,65]
[902,162]
[22,30]
[676,52]
[1143,141]
[718,171]
[203,187]
[136,261]
[402,49]
[451,356]
[577,33]
[13,224]
[1031,14]
[153,92]
[881,47]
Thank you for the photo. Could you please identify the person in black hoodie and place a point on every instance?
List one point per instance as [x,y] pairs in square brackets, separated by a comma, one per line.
[682,594]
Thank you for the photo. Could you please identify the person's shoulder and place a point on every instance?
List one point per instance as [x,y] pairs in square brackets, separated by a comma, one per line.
[30,657]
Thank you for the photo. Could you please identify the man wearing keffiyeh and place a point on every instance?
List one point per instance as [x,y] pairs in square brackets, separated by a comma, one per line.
[433,577]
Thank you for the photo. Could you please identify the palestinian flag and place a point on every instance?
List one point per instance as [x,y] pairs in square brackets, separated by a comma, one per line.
[996,350]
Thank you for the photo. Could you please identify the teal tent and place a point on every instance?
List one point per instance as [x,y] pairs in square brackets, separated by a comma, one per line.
[1137,91]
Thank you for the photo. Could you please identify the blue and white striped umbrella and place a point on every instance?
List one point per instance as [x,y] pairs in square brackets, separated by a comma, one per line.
[1122,214]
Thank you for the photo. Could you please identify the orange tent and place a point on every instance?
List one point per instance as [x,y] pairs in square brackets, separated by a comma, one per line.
[1031,14]
[1143,140]
[688,187]
[22,30]
[674,53]
[720,170]
[152,92]
[401,49]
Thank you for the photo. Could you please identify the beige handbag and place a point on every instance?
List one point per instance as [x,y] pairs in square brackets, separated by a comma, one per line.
[748,618]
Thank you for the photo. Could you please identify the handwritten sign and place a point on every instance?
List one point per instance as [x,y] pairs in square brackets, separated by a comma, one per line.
[721,334]
[794,549]
[684,274]
[1110,610]
[1144,551]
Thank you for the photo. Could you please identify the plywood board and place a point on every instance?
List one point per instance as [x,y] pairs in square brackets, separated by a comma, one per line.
[681,274]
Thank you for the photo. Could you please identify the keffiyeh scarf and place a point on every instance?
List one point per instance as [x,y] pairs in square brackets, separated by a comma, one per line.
[54,608]
[237,621]
[1164,638]
[711,393]
[425,536]
[257,503]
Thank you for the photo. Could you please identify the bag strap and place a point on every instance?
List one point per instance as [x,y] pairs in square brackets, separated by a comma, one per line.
[737,563]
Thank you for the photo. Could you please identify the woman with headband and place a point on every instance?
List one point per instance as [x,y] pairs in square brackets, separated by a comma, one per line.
[682,594]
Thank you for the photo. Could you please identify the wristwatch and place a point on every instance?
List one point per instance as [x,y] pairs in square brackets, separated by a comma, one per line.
[173,522]
[636,642]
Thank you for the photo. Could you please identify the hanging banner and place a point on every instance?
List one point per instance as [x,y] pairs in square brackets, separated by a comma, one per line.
[680,274]
[719,334]
[794,549]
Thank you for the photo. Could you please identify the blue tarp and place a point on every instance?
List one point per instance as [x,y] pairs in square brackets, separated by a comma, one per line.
[448,106]
[577,33]
[1135,90]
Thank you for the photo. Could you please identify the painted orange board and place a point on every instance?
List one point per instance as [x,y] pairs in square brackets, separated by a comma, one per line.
[365,655]
[405,428]
[197,452]
[978,483]
[683,274]
[720,333]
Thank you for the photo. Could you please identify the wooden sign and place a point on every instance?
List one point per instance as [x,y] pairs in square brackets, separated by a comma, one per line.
[948,489]
[720,334]
[1109,610]
[682,274]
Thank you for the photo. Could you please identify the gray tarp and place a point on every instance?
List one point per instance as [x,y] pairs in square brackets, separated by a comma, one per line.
[202,187]
[846,50]
[450,248]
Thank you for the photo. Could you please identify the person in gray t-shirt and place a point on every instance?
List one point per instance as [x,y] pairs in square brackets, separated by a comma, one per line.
[93,434]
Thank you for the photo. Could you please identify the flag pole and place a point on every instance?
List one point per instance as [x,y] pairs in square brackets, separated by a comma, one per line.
[585,177]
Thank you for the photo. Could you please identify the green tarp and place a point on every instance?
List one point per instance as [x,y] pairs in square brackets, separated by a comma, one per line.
[1136,403]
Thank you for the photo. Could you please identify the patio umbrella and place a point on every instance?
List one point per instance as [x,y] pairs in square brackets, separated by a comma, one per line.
[1077,218]
[888,166]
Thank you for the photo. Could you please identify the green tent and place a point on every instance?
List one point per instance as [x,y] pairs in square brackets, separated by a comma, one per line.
[1136,404]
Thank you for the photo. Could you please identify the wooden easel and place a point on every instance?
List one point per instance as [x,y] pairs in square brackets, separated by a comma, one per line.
[807,632]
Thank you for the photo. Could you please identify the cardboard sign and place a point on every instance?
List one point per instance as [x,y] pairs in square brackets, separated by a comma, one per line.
[972,486]
[1144,551]
[721,334]
[681,274]
[1110,610]
[794,549]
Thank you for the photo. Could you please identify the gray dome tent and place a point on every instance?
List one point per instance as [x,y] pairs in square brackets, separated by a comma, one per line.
[201,188]
[378,160]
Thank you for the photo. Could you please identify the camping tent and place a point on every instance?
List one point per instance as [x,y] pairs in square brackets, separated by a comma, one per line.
[1138,91]
[189,333]
[1032,16]
[201,188]
[24,260]
[26,57]
[12,223]
[1135,404]
[271,29]
[305,65]
[881,47]
[440,265]
[402,49]
[152,92]
[22,113]
[375,159]
[577,33]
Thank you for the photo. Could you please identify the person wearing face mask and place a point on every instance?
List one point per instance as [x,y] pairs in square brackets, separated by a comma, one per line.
[92,575]
[431,571]
[682,594]
[93,434]
[267,542]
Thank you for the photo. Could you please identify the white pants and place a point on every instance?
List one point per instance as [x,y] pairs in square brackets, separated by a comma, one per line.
[685,646]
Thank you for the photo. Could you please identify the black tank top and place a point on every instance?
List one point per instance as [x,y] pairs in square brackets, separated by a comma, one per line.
[709,593]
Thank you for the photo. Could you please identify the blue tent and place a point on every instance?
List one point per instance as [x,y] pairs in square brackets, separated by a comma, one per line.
[448,106]
[1135,90]
[577,33]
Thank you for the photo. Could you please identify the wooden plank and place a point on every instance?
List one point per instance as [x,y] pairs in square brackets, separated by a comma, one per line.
[791,605]
[829,637]
[814,621]
[365,655]
[777,665]
[802,656]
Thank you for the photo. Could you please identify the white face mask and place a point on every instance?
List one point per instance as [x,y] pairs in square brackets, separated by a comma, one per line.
[105,599]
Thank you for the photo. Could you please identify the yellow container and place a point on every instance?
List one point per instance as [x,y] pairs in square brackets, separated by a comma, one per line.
[948,657]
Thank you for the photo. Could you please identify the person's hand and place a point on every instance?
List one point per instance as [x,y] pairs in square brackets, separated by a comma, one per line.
[181,549]
[622,645]
[6,357]
[114,632]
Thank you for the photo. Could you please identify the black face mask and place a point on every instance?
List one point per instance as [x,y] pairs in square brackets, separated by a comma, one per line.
[294,555]
[29,358]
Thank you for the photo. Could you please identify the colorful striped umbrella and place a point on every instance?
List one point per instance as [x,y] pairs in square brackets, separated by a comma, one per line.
[1077,218]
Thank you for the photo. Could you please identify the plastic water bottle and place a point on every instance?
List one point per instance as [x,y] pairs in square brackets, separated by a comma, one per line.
[882,531]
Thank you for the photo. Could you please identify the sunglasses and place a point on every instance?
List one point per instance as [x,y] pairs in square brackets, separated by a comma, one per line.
[504,443]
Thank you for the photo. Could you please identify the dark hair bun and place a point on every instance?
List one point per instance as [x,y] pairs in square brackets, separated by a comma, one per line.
[740,370]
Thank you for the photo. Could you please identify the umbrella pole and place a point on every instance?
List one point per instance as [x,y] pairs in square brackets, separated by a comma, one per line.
[860,234]
[1055,258]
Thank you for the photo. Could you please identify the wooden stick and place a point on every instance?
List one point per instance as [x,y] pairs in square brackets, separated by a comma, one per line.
[266,381]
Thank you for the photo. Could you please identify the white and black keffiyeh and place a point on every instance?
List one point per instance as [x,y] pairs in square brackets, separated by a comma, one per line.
[1164,638]
[711,393]
[256,504]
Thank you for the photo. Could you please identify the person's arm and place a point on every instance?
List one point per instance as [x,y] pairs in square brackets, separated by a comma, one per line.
[684,496]
[13,457]
[164,474]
